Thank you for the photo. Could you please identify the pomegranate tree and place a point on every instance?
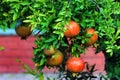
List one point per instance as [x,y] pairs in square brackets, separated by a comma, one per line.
[70,27]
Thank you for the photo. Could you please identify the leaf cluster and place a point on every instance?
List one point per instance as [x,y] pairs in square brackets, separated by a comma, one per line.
[51,15]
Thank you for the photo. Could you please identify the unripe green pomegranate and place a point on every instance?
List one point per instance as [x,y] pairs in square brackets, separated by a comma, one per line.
[23,31]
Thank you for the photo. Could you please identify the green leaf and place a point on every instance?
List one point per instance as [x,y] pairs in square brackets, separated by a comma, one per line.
[5,14]
[13,24]
[50,40]
[118,23]
[55,42]
[83,41]
[111,53]
[73,49]
[89,35]
[15,16]
[24,10]
[28,21]
[24,3]
[41,76]
[36,50]
[48,78]
[59,33]
[58,20]
[44,46]
[42,62]
[65,45]
[36,5]
[1,48]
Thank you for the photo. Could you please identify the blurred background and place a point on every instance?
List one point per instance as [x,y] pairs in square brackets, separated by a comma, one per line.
[12,48]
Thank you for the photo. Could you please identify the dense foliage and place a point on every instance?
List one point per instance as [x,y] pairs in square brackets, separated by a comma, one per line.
[50,16]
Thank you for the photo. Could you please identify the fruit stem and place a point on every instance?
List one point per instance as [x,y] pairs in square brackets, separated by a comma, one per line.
[23,38]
